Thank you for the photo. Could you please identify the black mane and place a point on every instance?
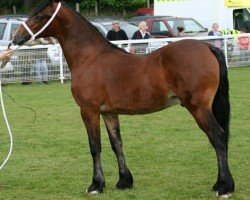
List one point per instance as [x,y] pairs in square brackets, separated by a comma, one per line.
[39,8]
[96,30]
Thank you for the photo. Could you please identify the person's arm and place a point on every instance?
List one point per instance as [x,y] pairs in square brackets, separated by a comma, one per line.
[210,33]
[33,42]
[134,36]
[6,55]
[125,37]
[43,41]
[108,35]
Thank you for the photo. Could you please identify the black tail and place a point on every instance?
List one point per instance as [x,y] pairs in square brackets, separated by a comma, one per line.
[221,104]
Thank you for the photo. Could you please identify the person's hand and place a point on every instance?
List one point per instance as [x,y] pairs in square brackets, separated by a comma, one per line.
[6,55]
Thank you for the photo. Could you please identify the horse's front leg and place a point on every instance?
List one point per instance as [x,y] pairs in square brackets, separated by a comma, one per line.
[92,122]
[113,128]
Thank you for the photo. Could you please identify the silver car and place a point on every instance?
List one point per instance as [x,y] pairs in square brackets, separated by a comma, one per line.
[8,24]
[105,25]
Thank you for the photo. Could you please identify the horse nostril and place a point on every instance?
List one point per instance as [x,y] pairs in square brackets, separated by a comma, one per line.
[14,41]
[18,40]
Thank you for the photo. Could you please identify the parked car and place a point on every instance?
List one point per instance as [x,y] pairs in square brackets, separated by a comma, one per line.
[166,26]
[105,24]
[145,12]
[8,25]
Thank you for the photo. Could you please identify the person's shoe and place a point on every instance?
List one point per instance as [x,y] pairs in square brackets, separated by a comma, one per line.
[26,82]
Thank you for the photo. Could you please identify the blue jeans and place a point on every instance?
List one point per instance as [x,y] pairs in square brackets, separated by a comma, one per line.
[41,70]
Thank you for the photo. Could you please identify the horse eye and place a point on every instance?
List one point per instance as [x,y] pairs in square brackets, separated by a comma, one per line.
[40,17]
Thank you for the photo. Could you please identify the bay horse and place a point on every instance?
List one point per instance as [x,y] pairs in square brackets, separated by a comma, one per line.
[107,81]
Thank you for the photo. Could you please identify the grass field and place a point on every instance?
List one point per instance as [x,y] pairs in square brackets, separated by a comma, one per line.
[168,155]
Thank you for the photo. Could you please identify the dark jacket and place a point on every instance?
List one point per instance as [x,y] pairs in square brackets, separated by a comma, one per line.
[211,33]
[120,35]
[137,35]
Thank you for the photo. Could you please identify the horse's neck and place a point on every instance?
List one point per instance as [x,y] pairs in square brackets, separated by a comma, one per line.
[78,39]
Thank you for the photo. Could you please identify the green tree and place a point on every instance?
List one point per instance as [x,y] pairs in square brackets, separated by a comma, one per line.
[25,6]
[112,4]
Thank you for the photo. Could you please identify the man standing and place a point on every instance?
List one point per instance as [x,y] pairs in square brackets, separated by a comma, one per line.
[215,32]
[116,33]
[40,60]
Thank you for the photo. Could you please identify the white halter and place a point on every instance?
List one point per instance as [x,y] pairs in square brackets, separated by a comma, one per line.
[33,36]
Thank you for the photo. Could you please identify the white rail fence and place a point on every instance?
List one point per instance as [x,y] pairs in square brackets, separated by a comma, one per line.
[44,63]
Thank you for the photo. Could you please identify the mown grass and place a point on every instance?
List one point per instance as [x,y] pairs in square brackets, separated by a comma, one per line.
[168,155]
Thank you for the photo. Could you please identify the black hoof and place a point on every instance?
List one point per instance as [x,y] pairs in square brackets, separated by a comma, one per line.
[224,187]
[125,181]
[97,186]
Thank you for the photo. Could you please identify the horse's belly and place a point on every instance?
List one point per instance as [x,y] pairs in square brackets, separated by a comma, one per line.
[140,107]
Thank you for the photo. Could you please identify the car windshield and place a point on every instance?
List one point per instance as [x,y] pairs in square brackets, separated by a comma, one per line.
[189,25]
[247,14]
[2,29]
[128,28]
[14,27]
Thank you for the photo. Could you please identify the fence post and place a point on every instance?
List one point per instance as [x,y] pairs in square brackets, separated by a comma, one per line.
[61,66]
[225,50]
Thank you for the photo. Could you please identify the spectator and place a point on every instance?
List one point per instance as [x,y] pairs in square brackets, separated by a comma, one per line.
[116,33]
[243,44]
[142,32]
[41,68]
[215,32]
[181,31]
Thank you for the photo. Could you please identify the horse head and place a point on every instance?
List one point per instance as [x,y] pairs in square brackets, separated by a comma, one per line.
[36,25]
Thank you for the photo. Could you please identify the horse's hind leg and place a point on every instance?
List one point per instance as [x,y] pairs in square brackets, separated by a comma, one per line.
[216,135]
[113,128]
[92,122]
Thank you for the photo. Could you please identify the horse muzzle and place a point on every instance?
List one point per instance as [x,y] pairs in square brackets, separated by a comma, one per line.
[19,39]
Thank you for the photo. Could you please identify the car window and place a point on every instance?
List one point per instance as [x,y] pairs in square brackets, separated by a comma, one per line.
[189,25]
[2,29]
[159,27]
[241,19]
[128,28]
[100,30]
[135,22]
[14,27]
